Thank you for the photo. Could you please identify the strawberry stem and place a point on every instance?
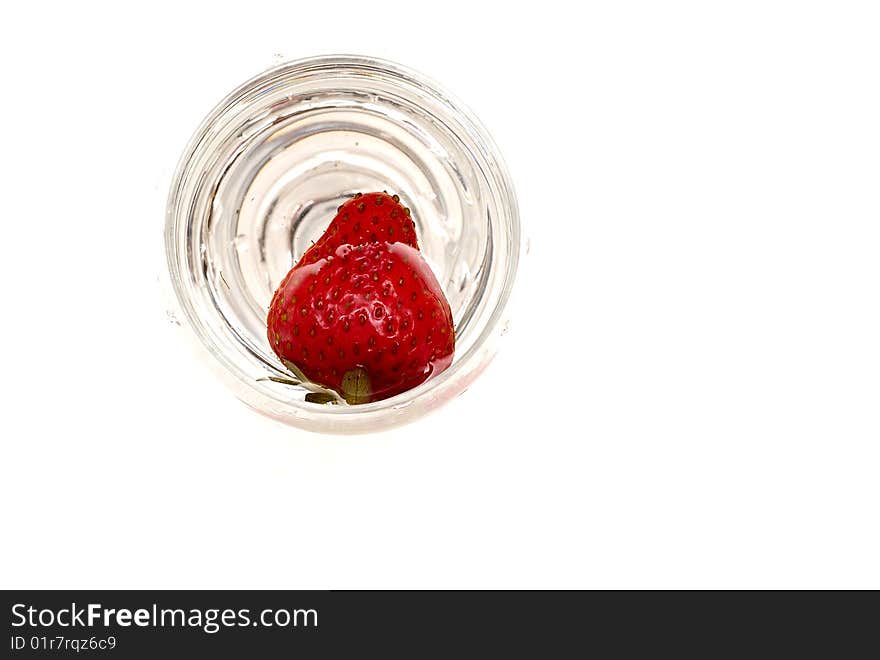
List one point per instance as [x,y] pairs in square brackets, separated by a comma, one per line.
[356,386]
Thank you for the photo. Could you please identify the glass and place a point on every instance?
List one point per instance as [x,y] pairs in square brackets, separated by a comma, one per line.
[262,177]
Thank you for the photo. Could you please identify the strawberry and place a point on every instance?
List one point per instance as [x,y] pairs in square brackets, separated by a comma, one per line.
[370,218]
[369,321]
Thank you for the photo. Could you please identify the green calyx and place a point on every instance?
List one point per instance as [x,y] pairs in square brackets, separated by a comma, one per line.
[356,386]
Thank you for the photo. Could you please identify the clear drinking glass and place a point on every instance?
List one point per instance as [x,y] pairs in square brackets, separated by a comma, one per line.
[262,177]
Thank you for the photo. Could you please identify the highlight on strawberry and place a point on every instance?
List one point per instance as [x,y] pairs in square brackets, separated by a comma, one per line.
[361,314]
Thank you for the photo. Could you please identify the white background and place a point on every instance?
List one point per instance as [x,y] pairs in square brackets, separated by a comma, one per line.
[688,396]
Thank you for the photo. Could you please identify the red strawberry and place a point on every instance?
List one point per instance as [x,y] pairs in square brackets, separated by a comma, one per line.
[371,218]
[369,321]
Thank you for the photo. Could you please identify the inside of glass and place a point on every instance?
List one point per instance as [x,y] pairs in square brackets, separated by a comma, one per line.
[280,178]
